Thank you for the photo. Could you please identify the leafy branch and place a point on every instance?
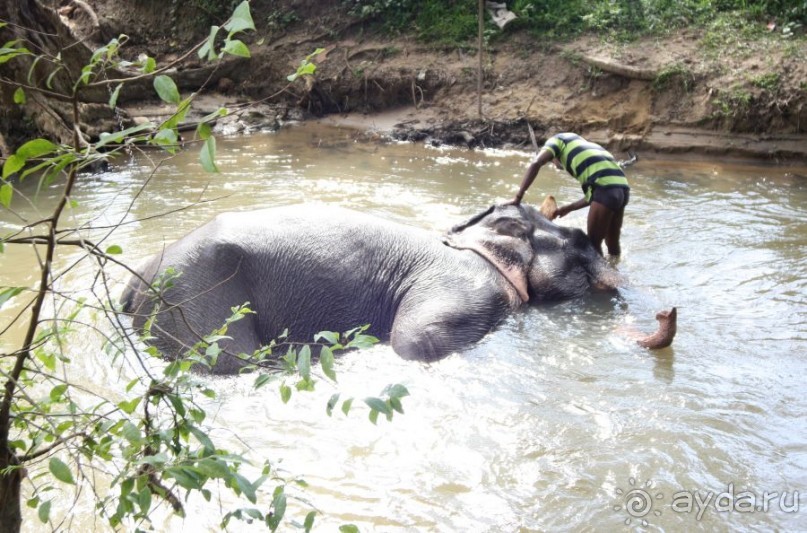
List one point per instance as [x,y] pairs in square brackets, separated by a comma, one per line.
[152,438]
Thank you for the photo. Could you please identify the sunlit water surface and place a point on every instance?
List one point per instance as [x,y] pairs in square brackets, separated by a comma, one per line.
[552,420]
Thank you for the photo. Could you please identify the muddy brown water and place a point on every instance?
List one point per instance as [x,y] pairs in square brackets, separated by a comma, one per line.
[555,421]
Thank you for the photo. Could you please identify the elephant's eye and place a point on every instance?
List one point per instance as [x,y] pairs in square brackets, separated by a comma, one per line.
[511,227]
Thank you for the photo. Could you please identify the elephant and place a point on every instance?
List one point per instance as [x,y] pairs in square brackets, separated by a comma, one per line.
[306,269]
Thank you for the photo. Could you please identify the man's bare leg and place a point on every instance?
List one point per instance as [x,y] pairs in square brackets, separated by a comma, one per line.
[613,233]
[599,222]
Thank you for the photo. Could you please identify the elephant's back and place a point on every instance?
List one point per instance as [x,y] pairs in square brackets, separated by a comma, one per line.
[323,268]
[316,222]
[314,268]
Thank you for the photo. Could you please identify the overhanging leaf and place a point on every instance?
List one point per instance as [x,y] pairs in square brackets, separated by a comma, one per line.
[36,148]
[166,89]
[57,392]
[326,360]
[44,512]
[113,100]
[12,165]
[6,193]
[331,403]
[130,406]
[167,139]
[245,486]
[241,19]
[285,393]
[278,509]
[19,96]
[346,405]
[60,471]
[8,293]
[209,48]
[118,136]
[397,391]
[309,521]
[377,404]
[236,48]
[149,65]
[207,155]
[304,362]
[329,336]
[262,380]
[144,500]
[214,468]
[204,131]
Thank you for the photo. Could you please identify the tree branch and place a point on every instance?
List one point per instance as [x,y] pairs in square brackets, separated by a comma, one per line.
[46,450]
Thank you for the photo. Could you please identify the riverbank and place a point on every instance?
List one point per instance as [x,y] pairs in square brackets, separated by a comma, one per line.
[701,92]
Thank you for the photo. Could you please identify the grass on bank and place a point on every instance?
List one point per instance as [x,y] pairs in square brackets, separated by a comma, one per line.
[724,21]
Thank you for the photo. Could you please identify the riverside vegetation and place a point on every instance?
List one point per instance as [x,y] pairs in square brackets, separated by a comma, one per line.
[150,442]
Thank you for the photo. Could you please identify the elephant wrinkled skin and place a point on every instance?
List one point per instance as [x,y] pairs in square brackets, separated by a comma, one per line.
[326,268]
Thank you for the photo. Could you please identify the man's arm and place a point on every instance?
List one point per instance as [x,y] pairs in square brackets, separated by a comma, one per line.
[574,206]
[544,157]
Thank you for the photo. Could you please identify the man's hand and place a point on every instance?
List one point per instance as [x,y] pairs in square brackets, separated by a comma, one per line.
[515,201]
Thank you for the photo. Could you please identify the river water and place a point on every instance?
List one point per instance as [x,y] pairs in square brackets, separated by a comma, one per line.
[556,420]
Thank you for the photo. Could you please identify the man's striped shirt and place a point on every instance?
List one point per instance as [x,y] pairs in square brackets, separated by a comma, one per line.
[591,164]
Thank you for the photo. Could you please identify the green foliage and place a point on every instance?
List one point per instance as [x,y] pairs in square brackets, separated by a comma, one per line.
[769,81]
[240,21]
[664,15]
[212,11]
[151,440]
[455,22]
[621,15]
[447,23]
[675,74]
[279,20]
[307,66]
[550,18]
[12,49]
[732,103]
[729,34]
[166,89]
[171,447]
[394,14]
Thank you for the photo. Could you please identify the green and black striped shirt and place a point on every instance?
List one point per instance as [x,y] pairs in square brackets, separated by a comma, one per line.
[591,164]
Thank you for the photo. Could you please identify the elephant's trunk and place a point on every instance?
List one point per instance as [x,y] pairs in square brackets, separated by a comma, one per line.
[665,334]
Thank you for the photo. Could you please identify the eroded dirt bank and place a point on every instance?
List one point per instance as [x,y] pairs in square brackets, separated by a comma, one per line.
[680,94]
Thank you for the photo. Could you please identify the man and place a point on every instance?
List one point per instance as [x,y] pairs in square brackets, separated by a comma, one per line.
[604,184]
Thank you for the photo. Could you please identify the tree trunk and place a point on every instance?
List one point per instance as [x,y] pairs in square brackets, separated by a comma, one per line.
[39,29]
[10,511]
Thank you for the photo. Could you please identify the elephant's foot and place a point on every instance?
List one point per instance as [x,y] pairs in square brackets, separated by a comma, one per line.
[667,328]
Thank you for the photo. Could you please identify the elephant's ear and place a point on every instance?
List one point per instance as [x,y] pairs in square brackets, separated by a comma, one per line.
[501,235]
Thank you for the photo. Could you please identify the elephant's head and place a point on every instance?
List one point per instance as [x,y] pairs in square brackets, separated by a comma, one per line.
[543,261]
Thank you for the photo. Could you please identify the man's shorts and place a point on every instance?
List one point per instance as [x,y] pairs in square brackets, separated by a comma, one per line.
[614,198]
